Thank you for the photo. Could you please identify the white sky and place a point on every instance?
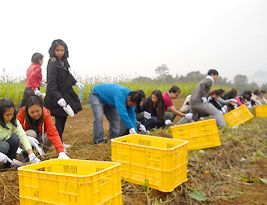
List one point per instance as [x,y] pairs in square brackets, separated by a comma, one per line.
[113,37]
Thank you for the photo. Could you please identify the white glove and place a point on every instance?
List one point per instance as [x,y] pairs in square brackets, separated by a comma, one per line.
[132,131]
[189,116]
[233,100]
[68,110]
[168,122]
[62,155]
[62,102]
[35,143]
[33,159]
[142,128]
[147,115]
[204,99]
[42,84]
[224,109]
[4,159]
[79,85]
[37,92]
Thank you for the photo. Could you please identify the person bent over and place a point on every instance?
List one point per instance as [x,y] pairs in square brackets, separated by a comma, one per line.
[170,110]
[198,100]
[115,102]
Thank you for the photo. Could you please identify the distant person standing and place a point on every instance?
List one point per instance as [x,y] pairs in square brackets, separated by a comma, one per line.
[116,103]
[34,78]
[60,97]
[198,100]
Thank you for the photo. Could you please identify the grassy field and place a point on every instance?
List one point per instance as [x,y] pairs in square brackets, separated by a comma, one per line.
[14,91]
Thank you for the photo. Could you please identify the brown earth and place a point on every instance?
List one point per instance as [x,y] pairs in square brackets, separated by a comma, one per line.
[79,131]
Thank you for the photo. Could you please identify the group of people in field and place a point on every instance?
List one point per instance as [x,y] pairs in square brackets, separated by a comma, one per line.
[128,112]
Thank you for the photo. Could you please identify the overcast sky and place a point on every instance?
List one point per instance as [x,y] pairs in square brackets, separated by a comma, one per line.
[110,37]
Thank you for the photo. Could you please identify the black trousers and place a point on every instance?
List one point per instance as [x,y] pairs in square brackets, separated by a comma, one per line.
[60,125]
[10,147]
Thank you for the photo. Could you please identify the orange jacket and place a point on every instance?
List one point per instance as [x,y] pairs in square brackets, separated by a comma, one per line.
[49,127]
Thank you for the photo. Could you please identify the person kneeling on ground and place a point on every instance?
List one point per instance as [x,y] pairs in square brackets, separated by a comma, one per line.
[116,102]
[212,98]
[11,133]
[36,120]
[153,110]
[170,110]
[198,100]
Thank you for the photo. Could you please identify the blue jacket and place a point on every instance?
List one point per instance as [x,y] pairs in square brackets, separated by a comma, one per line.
[116,96]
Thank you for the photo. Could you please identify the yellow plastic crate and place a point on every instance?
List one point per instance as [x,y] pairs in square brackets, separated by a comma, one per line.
[200,135]
[160,163]
[238,116]
[261,110]
[61,181]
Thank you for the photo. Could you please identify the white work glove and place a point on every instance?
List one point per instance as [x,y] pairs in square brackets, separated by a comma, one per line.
[35,143]
[147,115]
[142,128]
[37,92]
[62,102]
[233,100]
[62,155]
[4,159]
[68,110]
[204,99]
[189,116]
[224,109]
[33,159]
[79,85]
[168,122]
[132,131]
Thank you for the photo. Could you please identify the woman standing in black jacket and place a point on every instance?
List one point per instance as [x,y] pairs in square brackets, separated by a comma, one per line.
[60,97]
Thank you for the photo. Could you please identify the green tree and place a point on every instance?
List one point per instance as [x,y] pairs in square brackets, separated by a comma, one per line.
[162,71]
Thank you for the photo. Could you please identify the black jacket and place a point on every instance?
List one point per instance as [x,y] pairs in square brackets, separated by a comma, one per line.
[59,85]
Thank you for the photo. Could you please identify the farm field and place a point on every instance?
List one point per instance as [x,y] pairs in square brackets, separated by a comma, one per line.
[229,174]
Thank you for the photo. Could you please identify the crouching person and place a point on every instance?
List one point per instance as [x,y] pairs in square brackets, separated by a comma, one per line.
[36,120]
[198,100]
[117,103]
[11,133]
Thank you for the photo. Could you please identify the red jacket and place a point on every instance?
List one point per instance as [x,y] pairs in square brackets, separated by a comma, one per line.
[49,127]
[34,76]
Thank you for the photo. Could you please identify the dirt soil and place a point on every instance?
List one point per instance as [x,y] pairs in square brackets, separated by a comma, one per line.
[79,132]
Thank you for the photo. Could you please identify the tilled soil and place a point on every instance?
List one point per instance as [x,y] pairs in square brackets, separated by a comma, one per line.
[79,132]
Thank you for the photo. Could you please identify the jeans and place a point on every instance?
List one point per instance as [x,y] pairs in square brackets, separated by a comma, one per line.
[150,123]
[111,114]
[9,147]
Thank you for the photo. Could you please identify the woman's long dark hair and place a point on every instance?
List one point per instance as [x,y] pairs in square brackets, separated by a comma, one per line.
[33,100]
[231,94]
[160,104]
[4,105]
[52,53]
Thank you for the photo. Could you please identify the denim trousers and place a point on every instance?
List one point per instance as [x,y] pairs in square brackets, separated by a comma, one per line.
[150,123]
[10,147]
[99,109]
